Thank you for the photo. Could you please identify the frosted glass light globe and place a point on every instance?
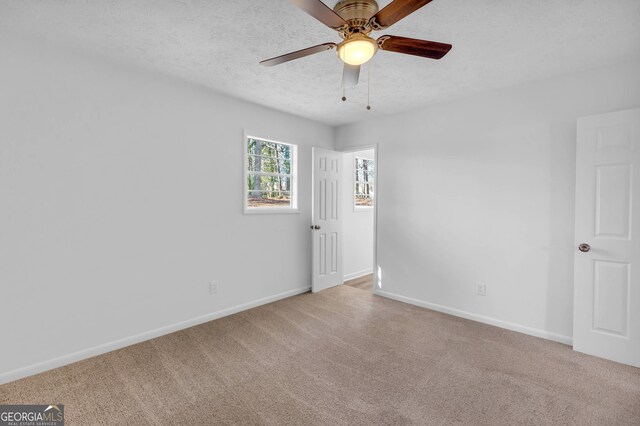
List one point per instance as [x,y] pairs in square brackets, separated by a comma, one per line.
[357,49]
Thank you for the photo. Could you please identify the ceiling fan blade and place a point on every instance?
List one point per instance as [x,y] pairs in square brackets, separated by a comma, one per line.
[395,11]
[321,12]
[413,46]
[350,75]
[297,54]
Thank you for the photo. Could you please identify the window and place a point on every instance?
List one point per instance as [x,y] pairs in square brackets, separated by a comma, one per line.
[270,176]
[364,178]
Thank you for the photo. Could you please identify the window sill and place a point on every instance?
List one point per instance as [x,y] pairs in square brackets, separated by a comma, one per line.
[259,210]
[363,209]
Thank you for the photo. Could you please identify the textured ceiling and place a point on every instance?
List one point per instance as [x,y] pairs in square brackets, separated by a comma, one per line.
[218,44]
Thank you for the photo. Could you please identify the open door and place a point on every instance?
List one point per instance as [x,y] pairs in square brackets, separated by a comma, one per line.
[607,254]
[326,221]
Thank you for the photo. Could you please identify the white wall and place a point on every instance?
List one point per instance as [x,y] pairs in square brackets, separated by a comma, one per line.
[482,190]
[121,198]
[357,224]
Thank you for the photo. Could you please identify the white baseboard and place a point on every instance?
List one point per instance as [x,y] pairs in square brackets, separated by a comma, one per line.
[479,318]
[354,275]
[147,335]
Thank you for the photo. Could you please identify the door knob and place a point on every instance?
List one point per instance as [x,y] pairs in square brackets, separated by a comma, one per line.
[316,227]
[584,247]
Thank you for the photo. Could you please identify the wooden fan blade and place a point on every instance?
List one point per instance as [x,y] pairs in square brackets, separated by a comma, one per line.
[413,46]
[395,11]
[297,54]
[350,75]
[321,12]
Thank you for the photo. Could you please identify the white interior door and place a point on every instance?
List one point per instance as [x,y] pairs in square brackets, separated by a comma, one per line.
[607,260]
[326,221]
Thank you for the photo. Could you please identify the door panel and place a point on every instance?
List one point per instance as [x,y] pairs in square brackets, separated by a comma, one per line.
[611,297]
[607,284]
[613,201]
[326,221]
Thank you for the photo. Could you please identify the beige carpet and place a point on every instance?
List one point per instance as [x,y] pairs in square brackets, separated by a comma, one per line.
[343,356]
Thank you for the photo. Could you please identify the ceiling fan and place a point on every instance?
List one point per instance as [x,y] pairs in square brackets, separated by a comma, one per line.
[355,20]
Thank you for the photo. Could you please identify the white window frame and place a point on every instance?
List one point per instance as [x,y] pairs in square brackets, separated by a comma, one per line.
[355,182]
[294,179]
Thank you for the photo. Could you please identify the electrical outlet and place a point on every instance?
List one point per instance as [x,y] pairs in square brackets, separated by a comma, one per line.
[213,287]
[481,289]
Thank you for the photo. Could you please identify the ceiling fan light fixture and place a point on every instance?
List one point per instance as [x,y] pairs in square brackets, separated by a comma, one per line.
[357,49]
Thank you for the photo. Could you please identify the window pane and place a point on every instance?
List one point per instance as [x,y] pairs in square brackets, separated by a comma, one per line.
[364,176]
[282,151]
[251,146]
[364,201]
[274,150]
[268,149]
[285,166]
[370,164]
[364,170]
[364,164]
[268,183]
[268,165]
[364,195]
[285,152]
[268,199]
[285,183]
[364,189]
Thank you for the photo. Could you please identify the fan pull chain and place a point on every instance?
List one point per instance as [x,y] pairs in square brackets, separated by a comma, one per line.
[369,86]
[344,98]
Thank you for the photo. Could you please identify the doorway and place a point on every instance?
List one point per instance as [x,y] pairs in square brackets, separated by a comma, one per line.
[344,211]
[358,217]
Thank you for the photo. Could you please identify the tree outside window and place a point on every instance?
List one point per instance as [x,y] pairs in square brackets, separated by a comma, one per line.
[269,174]
[364,179]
